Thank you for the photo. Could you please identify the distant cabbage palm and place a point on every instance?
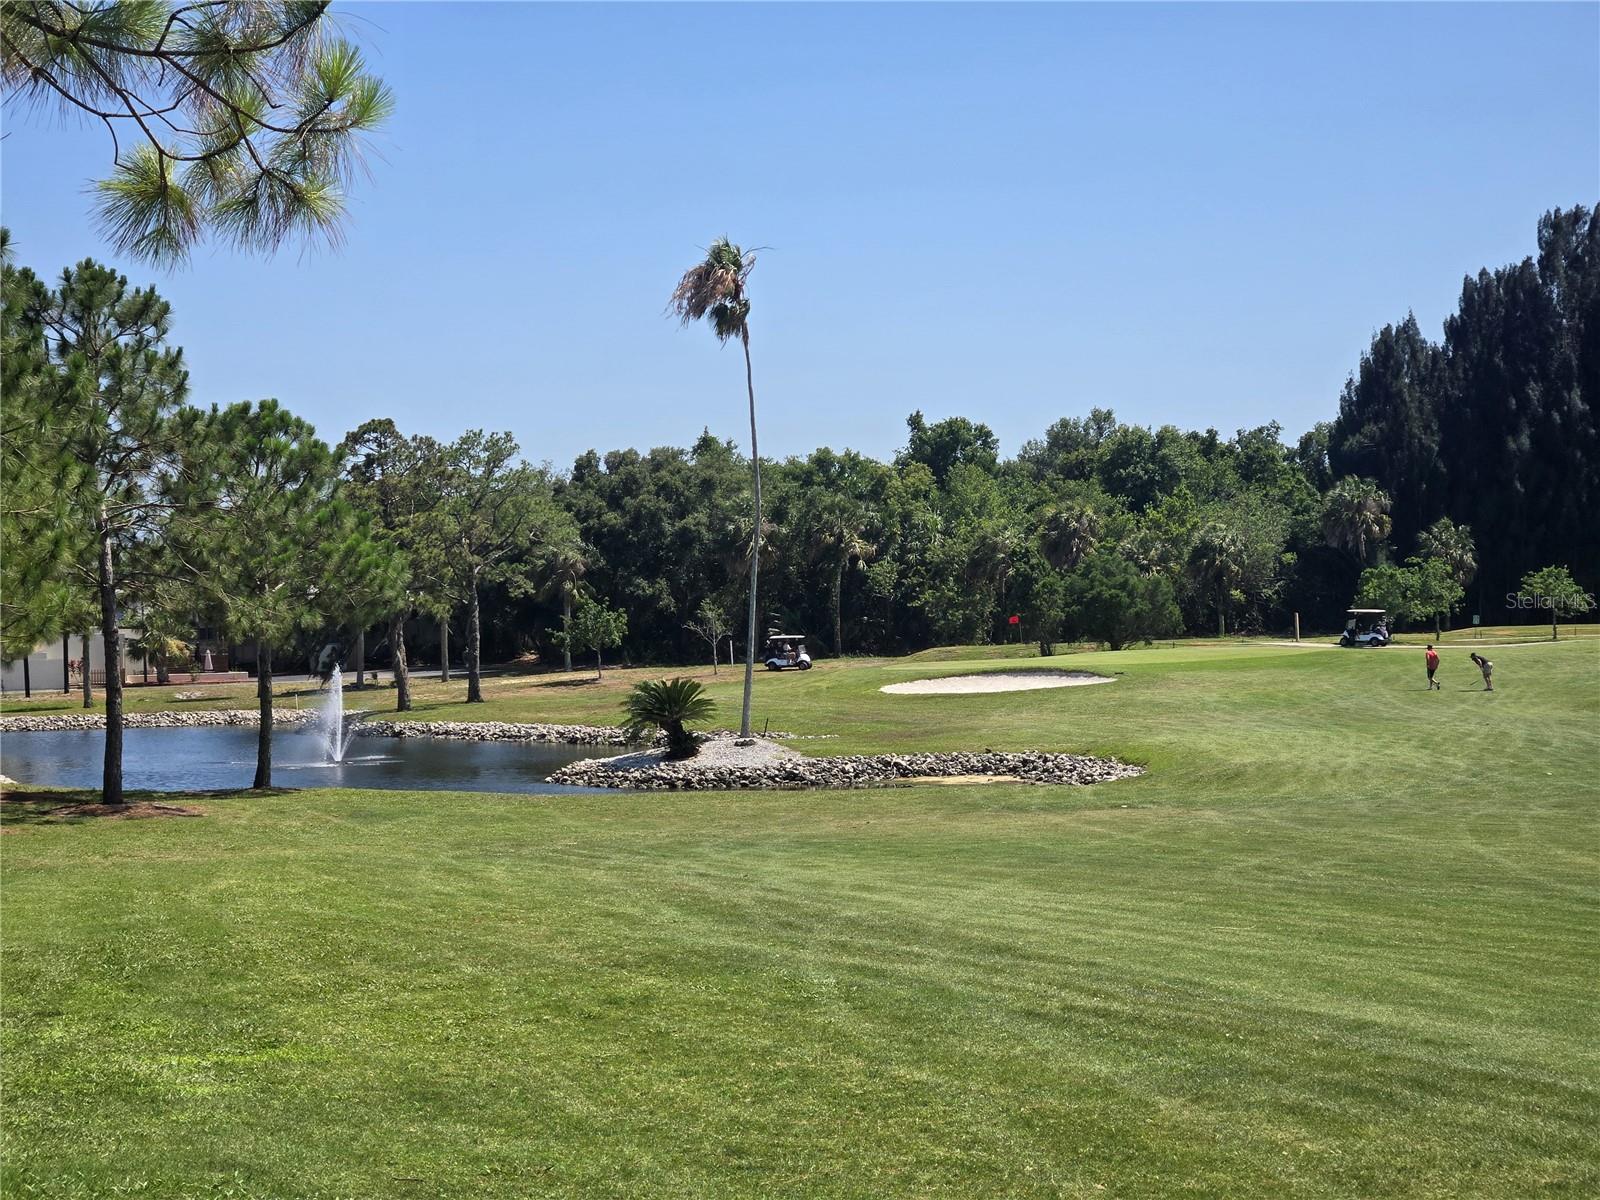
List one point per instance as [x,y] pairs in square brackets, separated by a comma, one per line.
[834,526]
[564,568]
[1355,517]
[162,649]
[1217,561]
[668,705]
[1453,544]
[995,551]
[1068,534]
[715,288]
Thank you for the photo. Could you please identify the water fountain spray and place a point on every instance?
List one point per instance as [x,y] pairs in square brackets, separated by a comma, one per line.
[331,718]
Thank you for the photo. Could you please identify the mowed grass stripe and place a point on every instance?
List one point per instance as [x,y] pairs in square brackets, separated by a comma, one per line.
[1339,942]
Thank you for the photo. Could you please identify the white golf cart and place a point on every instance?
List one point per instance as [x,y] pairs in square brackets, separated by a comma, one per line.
[1365,627]
[787,651]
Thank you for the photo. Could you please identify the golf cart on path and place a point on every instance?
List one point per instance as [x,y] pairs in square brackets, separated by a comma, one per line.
[1366,627]
[786,650]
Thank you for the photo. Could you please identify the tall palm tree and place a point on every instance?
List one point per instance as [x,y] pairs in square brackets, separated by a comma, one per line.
[1355,517]
[715,288]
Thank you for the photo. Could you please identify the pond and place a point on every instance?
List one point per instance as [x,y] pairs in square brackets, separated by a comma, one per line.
[177,760]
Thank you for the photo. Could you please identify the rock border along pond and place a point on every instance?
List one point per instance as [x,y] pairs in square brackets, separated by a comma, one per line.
[718,772]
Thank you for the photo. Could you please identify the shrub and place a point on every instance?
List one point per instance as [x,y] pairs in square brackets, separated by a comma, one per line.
[1108,600]
[668,705]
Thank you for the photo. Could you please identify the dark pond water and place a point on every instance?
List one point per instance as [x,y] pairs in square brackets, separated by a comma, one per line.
[176,760]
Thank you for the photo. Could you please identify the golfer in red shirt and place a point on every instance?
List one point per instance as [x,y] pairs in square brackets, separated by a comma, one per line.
[1433,665]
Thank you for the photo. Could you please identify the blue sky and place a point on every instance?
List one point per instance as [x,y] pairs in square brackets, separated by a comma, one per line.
[1191,214]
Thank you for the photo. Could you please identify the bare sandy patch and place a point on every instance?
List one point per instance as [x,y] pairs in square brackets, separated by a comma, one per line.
[714,752]
[996,681]
[945,780]
[64,806]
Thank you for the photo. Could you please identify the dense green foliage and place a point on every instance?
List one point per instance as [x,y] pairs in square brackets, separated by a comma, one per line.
[1111,602]
[41,535]
[1427,494]
[1339,942]
[277,549]
[93,429]
[125,506]
[1494,426]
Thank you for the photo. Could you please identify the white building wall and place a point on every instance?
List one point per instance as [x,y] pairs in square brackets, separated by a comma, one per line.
[45,666]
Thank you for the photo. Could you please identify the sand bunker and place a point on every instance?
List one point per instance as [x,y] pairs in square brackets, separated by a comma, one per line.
[999,681]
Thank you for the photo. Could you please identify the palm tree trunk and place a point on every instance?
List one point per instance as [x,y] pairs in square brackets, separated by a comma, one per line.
[263,777]
[88,688]
[755,545]
[474,633]
[838,603]
[566,628]
[444,648]
[358,658]
[66,664]
[111,635]
[402,672]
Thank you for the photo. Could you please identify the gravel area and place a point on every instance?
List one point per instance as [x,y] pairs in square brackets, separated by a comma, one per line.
[715,751]
[725,765]
[492,731]
[997,681]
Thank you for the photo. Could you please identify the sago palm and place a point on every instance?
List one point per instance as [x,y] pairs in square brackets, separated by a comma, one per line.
[714,288]
[668,705]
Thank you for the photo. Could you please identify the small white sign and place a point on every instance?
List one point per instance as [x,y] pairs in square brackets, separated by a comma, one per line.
[1476,620]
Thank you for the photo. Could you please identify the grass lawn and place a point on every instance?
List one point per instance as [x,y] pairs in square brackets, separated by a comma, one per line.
[1339,941]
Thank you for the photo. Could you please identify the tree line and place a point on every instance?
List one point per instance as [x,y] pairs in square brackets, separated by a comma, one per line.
[1451,472]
